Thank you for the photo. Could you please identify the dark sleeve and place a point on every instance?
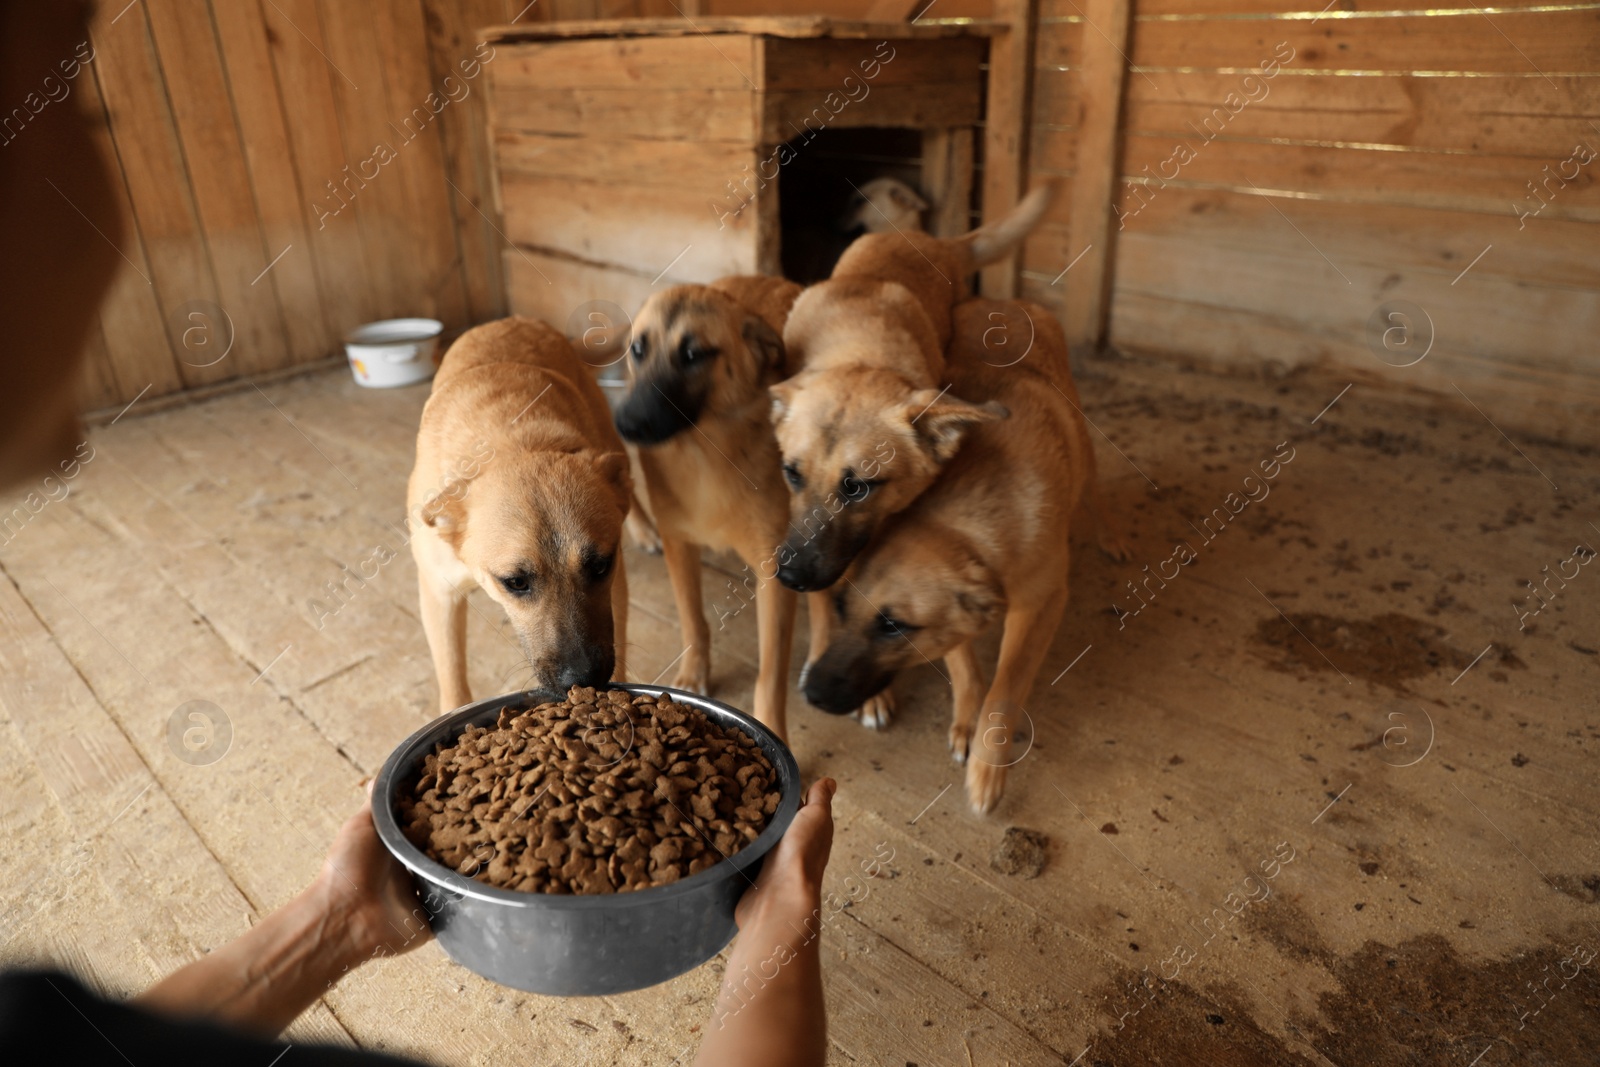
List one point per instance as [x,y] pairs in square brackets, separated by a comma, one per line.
[63,1023]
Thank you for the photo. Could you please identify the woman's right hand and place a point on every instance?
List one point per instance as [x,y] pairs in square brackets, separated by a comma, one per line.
[790,883]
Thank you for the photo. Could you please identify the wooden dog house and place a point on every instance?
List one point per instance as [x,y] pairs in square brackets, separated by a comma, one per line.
[635,152]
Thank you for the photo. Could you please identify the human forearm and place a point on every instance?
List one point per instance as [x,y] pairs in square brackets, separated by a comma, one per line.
[360,906]
[770,1009]
[260,981]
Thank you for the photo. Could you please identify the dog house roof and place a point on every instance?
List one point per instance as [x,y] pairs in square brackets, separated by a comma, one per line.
[798,26]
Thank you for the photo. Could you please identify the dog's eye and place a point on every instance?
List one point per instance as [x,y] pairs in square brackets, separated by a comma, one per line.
[889,626]
[856,489]
[636,350]
[598,567]
[515,584]
[791,474]
[838,603]
[693,351]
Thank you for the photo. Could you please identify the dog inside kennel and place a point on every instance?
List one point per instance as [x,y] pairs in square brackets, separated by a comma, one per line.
[797,532]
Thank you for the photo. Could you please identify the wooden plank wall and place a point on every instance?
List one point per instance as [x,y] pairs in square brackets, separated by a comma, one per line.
[1392,152]
[239,132]
[1430,156]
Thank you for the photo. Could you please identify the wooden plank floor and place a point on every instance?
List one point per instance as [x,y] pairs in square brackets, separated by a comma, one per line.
[1339,694]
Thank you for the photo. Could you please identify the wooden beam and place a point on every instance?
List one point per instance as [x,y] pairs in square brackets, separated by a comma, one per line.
[893,10]
[1101,80]
[947,180]
[1006,127]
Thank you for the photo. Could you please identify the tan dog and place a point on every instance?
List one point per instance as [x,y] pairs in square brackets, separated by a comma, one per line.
[988,539]
[869,347]
[521,486]
[865,425]
[699,366]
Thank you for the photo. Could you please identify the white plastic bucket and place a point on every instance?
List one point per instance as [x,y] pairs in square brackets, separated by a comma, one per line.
[393,352]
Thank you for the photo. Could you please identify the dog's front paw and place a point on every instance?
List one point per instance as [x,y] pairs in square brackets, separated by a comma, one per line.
[960,741]
[694,673]
[877,711]
[805,673]
[985,783]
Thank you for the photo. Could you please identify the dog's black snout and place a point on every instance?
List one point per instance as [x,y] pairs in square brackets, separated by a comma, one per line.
[796,576]
[830,699]
[593,669]
[641,426]
[841,691]
[652,414]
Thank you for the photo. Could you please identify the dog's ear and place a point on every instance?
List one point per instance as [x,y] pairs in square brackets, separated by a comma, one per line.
[764,344]
[446,514]
[782,396]
[906,197]
[941,422]
[979,594]
[612,467]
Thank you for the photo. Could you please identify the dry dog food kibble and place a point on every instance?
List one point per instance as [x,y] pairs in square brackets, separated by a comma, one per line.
[603,792]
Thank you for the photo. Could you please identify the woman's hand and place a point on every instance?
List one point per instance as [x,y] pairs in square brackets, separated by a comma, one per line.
[790,883]
[770,1010]
[368,893]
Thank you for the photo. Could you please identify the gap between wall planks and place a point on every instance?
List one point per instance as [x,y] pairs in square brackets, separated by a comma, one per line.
[237,133]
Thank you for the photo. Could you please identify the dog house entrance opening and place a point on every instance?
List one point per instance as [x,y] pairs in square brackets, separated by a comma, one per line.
[820,203]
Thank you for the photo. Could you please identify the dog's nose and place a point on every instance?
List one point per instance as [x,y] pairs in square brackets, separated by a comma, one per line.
[642,421]
[796,576]
[590,671]
[632,426]
[834,695]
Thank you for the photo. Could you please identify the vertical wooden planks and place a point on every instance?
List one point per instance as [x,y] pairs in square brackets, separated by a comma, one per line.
[130,313]
[269,155]
[290,162]
[1095,183]
[452,41]
[420,103]
[156,179]
[367,176]
[947,180]
[305,79]
[213,155]
[1005,131]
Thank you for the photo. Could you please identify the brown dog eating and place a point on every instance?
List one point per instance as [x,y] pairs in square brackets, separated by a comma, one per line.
[701,360]
[987,540]
[521,486]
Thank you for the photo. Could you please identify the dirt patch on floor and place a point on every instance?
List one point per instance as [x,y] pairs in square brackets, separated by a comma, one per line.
[1420,1003]
[1388,650]
[1021,852]
[1584,887]
[1417,1003]
[1178,1024]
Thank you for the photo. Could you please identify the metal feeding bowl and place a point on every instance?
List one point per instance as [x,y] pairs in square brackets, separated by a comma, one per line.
[580,945]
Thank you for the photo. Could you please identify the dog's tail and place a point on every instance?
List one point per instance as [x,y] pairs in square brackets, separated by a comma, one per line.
[991,243]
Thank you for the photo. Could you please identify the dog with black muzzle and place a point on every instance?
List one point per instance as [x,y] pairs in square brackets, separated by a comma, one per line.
[867,422]
[987,541]
[701,360]
[520,486]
